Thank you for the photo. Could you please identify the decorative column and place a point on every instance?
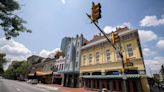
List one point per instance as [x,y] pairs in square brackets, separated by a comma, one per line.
[131,86]
[91,81]
[139,87]
[96,83]
[111,85]
[100,84]
[62,79]
[67,79]
[84,83]
[73,80]
[106,81]
[122,86]
[117,85]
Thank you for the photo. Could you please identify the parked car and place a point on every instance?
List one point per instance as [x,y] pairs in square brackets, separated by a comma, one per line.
[28,81]
[32,81]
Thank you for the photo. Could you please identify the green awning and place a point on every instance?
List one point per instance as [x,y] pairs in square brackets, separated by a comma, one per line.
[110,76]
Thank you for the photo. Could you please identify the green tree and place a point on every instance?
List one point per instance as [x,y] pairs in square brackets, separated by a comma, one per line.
[23,69]
[2,61]
[19,70]
[11,23]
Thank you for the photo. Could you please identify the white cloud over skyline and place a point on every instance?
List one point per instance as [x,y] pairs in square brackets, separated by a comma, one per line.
[14,50]
[160,44]
[46,53]
[17,51]
[148,52]
[148,21]
[147,35]
[109,29]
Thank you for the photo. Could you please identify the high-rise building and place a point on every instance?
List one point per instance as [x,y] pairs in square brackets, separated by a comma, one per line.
[72,51]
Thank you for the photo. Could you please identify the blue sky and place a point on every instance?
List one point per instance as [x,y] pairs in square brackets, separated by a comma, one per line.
[51,20]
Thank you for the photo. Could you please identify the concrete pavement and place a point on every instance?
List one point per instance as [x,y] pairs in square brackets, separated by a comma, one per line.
[67,89]
[16,86]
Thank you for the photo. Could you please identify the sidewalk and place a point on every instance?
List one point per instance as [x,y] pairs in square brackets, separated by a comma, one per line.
[66,89]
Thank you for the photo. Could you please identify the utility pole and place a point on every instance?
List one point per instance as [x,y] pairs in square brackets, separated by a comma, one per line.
[94,17]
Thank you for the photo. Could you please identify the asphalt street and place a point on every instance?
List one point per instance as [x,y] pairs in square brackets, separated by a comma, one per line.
[17,86]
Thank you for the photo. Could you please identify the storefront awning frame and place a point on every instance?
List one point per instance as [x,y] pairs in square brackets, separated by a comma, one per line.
[110,76]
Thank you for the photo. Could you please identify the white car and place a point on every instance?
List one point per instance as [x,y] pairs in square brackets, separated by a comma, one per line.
[32,81]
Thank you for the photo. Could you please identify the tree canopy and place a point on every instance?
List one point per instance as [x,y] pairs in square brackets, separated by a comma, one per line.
[11,24]
[2,61]
[18,69]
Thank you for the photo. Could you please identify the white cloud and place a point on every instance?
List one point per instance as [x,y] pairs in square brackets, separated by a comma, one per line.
[46,53]
[63,1]
[147,35]
[154,65]
[148,52]
[109,29]
[151,21]
[14,50]
[160,44]
[128,24]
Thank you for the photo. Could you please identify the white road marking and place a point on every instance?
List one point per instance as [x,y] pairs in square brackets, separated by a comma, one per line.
[18,89]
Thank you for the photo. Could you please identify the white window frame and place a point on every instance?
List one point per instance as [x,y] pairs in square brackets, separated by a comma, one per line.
[130,50]
[107,52]
[84,59]
[97,57]
[90,58]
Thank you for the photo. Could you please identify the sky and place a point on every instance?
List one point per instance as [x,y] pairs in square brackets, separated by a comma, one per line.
[51,20]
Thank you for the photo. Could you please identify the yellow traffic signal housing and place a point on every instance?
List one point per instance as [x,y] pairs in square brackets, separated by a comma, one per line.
[128,63]
[115,38]
[96,12]
[127,60]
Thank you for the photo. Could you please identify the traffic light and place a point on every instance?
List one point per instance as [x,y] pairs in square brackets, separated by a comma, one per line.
[96,12]
[128,63]
[115,37]
[127,60]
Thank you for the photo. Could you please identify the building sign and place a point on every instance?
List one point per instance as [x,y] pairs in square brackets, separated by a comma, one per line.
[116,73]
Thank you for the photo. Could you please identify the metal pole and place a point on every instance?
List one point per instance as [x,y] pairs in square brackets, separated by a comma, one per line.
[124,79]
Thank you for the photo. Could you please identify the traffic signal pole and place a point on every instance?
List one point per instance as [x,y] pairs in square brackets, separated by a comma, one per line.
[119,52]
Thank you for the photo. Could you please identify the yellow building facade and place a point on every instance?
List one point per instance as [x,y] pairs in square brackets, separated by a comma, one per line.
[101,65]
